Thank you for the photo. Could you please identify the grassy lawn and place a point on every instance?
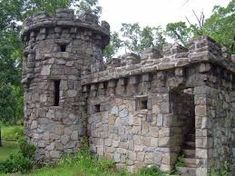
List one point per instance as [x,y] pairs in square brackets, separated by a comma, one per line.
[9,134]
[7,149]
[85,165]
[80,165]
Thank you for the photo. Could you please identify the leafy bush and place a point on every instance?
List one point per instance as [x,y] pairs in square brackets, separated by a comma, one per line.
[26,149]
[224,171]
[16,163]
[20,162]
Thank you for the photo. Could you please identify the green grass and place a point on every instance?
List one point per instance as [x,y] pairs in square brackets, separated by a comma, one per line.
[9,135]
[12,133]
[7,149]
[83,164]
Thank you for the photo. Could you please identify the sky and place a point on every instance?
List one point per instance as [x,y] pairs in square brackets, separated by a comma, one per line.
[154,12]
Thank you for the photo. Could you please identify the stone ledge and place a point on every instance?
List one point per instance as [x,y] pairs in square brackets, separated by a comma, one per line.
[156,65]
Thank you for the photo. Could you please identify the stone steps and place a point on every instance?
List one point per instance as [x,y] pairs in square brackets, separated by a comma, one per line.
[190,144]
[188,150]
[190,162]
[189,153]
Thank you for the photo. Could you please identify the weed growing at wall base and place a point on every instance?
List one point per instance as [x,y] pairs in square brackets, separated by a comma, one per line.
[84,164]
[223,171]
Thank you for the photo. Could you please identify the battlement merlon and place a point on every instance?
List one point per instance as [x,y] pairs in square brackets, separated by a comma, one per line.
[201,51]
[65,18]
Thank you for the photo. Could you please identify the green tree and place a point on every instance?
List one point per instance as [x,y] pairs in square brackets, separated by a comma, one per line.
[136,39]
[180,32]
[115,44]
[221,25]
[131,36]
[32,6]
[89,6]
[12,13]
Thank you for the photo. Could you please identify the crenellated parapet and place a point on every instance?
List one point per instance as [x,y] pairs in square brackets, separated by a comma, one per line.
[204,56]
[65,22]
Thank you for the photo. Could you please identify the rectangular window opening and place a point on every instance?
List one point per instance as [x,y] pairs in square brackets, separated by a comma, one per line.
[56,92]
[97,108]
[63,47]
[144,104]
[141,103]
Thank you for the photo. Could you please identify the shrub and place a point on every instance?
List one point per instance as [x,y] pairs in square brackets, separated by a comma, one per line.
[26,149]
[223,171]
[180,161]
[16,163]
[20,162]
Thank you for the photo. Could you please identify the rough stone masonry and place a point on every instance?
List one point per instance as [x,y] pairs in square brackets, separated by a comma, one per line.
[137,110]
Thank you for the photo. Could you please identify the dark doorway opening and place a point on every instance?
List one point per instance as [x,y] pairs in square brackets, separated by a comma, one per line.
[183,128]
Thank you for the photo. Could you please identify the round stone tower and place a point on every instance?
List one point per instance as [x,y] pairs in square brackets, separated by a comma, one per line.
[59,50]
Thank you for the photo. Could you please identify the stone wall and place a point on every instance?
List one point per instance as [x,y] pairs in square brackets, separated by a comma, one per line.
[130,127]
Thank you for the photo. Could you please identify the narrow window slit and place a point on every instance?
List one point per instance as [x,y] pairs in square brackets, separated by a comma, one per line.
[97,108]
[56,92]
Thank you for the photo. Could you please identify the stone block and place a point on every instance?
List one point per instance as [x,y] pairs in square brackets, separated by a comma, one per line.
[164,107]
[64,139]
[46,70]
[154,142]
[164,141]
[74,136]
[123,113]
[132,156]
[55,154]
[159,120]
[117,157]
[59,130]
[201,172]
[201,153]
[201,111]
[164,132]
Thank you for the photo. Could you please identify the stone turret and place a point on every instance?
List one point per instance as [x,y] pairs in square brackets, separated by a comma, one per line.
[59,49]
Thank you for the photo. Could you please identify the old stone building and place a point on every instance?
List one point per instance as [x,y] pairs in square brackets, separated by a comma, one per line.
[137,110]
